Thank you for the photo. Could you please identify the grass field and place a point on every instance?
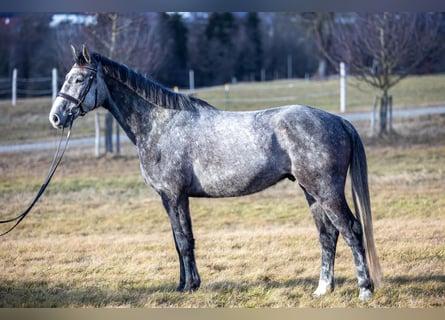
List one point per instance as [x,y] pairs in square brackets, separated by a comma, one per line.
[16,122]
[100,238]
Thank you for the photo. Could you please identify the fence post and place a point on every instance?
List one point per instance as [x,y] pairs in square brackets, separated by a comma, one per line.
[226,95]
[97,140]
[374,116]
[342,87]
[54,84]
[118,138]
[191,80]
[289,66]
[14,86]
[108,132]
[390,113]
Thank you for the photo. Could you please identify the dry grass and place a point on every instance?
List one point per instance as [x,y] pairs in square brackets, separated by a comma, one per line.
[100,238]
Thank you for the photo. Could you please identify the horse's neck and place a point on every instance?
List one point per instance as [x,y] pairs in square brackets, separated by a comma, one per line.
[134,114]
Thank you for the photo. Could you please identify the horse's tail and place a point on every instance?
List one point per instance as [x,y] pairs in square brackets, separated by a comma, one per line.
[359,180]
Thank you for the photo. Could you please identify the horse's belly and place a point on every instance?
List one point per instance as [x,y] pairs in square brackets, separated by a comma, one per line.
[221,187]
[237,177]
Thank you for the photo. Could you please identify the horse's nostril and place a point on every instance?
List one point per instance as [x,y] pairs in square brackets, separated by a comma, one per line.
[55,119]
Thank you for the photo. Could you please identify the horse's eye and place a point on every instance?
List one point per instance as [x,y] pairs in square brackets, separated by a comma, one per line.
[79,80]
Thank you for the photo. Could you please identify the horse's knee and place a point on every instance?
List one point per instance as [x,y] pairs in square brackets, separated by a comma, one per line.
[353,234]
[184,244]
[343,220]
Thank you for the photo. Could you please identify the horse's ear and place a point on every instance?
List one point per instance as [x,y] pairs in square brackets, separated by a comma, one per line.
[86,54]
[73,51]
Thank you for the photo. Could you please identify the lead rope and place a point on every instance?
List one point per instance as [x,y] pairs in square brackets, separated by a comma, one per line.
[54,164]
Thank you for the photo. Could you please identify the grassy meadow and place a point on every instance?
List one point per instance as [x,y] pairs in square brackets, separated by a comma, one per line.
[100,238]
[15,122]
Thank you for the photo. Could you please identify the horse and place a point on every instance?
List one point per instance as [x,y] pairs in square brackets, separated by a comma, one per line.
[188,148]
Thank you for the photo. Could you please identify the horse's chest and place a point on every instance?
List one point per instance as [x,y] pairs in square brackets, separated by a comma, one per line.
[162,168]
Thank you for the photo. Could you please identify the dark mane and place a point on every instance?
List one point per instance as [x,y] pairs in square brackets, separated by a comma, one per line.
[147,88]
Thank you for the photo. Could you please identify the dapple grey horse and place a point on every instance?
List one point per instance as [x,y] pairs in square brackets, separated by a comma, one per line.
[187,148]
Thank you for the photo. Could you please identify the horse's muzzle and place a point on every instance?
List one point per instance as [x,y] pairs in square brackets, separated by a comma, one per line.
[55,120]
[59,120]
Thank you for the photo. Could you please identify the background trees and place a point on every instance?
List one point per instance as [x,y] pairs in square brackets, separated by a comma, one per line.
[220,46]
[382,48]
[221,35]
[174,39]
[250,52]
[27,43]
[136,39]
[379,48]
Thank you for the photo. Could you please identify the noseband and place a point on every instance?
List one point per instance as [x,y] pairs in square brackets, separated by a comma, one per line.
[79,101]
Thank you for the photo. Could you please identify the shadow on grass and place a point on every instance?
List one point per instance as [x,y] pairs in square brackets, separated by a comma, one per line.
[225,286]
[403,280]
[51,295]
[45,294]
[423,291]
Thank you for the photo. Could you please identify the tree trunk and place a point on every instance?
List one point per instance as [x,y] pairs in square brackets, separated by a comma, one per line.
[321,70]
[384,103]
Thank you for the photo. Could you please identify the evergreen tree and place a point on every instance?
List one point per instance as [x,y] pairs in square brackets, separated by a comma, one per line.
[221,31]
[250,60]
[174,69]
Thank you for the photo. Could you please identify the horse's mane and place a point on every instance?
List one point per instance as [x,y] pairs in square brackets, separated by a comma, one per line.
[148,89]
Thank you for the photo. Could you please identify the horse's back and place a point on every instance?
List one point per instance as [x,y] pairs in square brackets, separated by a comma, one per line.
[235,153]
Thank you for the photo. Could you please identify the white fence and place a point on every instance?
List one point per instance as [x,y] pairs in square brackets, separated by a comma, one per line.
[46,86]
[341,91]
[28,87]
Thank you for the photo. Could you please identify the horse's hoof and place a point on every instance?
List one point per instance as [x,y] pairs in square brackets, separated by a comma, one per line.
[180,287]
[365,295]
[323,288]
[189,287]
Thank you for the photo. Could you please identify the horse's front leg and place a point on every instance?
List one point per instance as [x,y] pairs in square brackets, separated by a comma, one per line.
[179,214]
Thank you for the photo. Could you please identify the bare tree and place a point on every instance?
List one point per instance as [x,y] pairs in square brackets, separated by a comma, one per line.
[284,37]
[135,39]
[319,26]
[383,48]
[132,38]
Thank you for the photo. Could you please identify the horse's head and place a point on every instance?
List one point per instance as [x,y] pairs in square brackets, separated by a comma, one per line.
[81,92]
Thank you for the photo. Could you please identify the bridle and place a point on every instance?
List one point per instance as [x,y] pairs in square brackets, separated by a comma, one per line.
[79,101]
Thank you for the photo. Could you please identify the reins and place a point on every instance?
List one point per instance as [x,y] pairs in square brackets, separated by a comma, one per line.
[54,164]
[78,103]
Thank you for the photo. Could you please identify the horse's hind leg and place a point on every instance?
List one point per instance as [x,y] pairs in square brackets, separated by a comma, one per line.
[338,212]
[328,236]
